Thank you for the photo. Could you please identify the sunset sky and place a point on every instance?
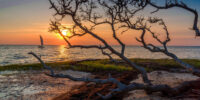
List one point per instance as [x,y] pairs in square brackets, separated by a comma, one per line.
[22,21]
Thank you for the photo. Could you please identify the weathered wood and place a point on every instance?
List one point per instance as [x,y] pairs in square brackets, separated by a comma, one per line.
[165,89]
[117,13]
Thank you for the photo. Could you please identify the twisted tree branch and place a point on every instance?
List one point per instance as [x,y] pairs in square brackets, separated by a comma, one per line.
[120,86]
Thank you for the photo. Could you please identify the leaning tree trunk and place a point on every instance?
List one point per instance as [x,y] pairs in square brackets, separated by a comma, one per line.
[187,66]
[149,88]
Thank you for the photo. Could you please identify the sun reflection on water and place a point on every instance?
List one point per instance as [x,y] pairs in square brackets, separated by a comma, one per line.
[63,52]
[18,54]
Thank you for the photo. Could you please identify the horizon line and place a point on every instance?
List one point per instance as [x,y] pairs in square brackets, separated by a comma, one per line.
[111,45]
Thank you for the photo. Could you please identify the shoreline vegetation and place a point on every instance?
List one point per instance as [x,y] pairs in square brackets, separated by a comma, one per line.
[165,69]
[98,65]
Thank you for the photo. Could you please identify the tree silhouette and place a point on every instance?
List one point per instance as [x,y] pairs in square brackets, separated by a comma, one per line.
[145,26]
[120,16]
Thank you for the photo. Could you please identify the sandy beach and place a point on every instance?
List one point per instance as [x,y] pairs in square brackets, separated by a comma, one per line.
[35,85]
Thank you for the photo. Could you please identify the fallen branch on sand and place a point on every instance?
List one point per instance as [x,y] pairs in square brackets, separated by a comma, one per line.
[149,88]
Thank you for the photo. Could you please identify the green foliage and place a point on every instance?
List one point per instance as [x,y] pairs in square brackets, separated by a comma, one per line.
[103,65]
[156,62]
[20,67]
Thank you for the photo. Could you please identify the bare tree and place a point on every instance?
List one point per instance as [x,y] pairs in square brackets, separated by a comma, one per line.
[82,11]
[144,24]
[153,48]
[119,15]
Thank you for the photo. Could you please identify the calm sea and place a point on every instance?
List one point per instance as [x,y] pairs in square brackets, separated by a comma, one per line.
[17,54]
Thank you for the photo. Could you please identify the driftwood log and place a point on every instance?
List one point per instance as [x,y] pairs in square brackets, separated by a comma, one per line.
[120,16]
[149,88]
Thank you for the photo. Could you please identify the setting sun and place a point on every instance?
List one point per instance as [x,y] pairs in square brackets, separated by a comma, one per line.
[119,49]
[65,32]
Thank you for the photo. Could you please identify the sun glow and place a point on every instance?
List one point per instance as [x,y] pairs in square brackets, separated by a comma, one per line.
[65,32]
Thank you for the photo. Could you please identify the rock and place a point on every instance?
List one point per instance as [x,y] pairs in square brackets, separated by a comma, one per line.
[169,78]
[159,77]
[141,95]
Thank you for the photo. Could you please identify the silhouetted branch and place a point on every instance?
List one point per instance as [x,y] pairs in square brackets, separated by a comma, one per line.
[76,18]
[164,50]
[109,55]
[117,14]
[120,86]
[44,65]
[179,4]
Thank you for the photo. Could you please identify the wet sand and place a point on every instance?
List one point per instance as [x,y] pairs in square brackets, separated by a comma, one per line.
[35,85]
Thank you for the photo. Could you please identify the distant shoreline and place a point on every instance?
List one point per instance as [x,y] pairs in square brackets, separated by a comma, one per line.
[112,45]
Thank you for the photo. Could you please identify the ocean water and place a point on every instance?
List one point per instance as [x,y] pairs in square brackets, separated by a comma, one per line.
[17,54]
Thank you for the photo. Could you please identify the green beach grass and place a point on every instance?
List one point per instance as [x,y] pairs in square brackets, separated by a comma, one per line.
[102,65]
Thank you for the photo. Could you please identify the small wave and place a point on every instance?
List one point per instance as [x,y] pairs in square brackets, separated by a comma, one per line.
[16,56]
[4,63]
